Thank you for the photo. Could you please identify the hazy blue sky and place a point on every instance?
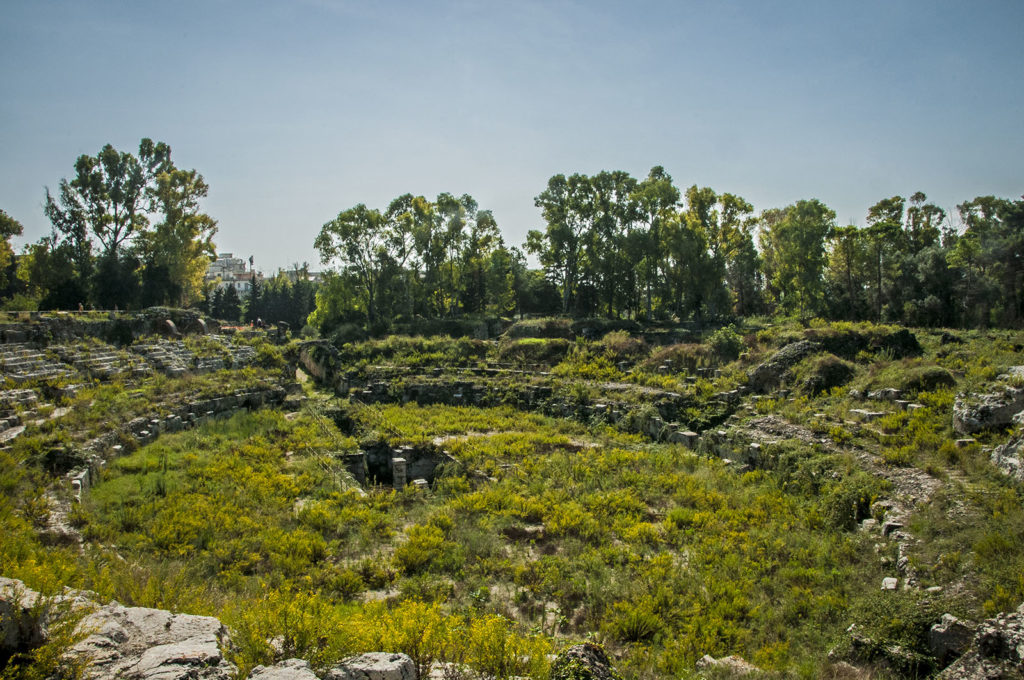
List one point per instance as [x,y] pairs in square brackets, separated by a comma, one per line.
[294,111]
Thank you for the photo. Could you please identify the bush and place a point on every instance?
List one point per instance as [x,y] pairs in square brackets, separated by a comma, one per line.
[634,621]
[726,343]
[550,327]
[926,379]
[848,501]
[425,550]
[622,346]
[533,350]
[827,372]
[687,356]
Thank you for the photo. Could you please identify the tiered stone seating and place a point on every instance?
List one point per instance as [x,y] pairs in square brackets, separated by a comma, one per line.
[22,363]
[171,358]
[103,361]
[14,406]
[241,355]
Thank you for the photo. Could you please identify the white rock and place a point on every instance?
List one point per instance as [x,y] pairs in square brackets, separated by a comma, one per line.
[374,666]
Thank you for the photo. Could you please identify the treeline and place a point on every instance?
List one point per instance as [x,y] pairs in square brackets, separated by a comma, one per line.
[272,301]
[423,258]
[127,232]
[620,247]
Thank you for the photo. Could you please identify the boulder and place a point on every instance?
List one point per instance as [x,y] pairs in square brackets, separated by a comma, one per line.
[21,625]
[152,644]
[124,642]
[987,411]
[949,639]
[583,662]
[1009,458]
[374,666]
[289,669]
[771,373]
[996,652]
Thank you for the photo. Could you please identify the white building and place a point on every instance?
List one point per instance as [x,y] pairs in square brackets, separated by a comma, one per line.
[228,269]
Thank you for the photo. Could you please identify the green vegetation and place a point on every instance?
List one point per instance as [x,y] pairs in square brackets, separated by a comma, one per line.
[539,530]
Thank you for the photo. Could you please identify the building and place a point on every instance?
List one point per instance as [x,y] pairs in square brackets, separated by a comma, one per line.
[294,275]
[228,269]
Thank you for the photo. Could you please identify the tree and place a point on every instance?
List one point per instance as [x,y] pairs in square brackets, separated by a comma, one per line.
[355,240]
[8,227]
[884,237]
[47,268]
[793,245]
[483,239]
[568,209]
[406,217]
[611,252]
[179,248]
[705,219]
[989,255]
[656,198]
[254,303]
[847,263]
[107,197]
[112,199]
[231,305]
[923,222]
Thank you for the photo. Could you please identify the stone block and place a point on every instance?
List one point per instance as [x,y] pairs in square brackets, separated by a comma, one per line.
[949,638]
[398,479]
[374,666]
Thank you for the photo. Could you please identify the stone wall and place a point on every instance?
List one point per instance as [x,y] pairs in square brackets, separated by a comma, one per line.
[44,328]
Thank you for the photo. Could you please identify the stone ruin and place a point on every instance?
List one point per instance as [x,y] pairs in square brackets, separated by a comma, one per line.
[382,465]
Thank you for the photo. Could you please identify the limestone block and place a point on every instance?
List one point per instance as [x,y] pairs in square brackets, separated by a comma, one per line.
[374,666]
[949,638]
[290,669]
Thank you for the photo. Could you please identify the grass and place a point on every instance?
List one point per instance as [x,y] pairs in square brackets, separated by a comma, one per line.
[548,530]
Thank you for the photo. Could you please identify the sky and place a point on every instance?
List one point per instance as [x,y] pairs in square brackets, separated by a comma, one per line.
[296,110]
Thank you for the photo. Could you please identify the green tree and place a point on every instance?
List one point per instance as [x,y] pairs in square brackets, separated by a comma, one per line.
[356,241]
[106,199]
[8,227]
[656,198]
[47,269]
[793,247]
[483,239]
[179,248]
[231,305]
[847,264]
[254,301]
[406,217]
[611,250]
[989,255]
[567,206]
[885,244]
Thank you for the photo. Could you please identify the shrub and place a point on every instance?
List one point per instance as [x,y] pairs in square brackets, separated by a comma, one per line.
[827,372]
[533,350]
[726,343]
[687,356]
[926,379]
[426,549]
[269,356]
[848,501]
[634,622]
[620,345]
[550,327]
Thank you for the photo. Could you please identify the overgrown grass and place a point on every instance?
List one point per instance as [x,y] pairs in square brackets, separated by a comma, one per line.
[547,530]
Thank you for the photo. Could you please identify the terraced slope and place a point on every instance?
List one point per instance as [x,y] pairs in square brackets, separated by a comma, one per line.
[806,507]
